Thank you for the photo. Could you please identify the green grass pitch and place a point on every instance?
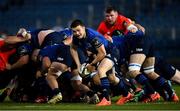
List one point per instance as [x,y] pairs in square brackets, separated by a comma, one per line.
[160,105]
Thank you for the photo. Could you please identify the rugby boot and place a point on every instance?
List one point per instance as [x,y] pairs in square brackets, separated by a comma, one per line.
[104,102]
[124,99]
[55,99]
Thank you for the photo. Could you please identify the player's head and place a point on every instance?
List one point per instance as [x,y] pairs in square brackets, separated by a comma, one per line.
[67,32]
[111,14]
[78,28]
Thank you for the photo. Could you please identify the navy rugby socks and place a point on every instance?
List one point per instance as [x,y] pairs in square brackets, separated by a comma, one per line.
[56,91]
[105,86]
[163,83]
[145,83]
[122,87]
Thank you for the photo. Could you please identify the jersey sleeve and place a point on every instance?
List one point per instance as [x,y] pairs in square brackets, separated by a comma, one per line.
[96,42]
[25,49]
[2,43]
[126,21]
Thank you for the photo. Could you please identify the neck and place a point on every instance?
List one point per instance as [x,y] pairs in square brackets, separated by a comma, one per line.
[84,36]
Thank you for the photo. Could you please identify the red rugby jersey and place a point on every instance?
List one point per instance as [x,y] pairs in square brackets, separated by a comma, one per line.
[106,29]
[4,55]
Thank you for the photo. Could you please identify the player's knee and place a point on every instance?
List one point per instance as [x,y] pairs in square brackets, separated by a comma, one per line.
[134,69]
[102,72]
[133,73]
[113,79]
[46,63]
[76,78]
[54,71]
[148,70]
[176,77]
[50,77]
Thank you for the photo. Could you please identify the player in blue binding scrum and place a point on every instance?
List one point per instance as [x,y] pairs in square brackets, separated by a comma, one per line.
[106,56]
[126,43]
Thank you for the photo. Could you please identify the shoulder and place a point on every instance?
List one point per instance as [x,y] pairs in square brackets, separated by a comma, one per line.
[91,33]
[123,18]
[102,24]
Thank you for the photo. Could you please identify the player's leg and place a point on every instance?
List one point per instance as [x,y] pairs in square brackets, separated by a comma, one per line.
[76,79]
[136,60]
[120,87]
[105,65]
[55,70]
[76,82]
[176,77]
[46,62]
[158,80]
[168,72]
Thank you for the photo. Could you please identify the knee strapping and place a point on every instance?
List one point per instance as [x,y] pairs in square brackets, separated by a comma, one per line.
[54,71]
[77,77]
[134,66]
[148,70]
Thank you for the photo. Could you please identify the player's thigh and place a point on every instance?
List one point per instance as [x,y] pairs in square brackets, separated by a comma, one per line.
[149,61]
[46,62]
[176,77]
[148,68]
[137,58]
[105,65]
[57,66]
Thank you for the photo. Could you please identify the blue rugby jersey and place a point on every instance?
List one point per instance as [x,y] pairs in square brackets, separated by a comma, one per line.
[93,41]
[50,39]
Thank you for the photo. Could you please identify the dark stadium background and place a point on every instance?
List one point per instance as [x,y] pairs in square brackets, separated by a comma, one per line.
[159,17]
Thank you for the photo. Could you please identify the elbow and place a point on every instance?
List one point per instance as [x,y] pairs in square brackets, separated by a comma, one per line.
[6,41]
[24,60]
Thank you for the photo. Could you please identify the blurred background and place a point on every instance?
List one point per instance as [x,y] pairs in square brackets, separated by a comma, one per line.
[159,17]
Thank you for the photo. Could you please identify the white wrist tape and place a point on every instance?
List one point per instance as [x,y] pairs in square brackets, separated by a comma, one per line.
[131,26]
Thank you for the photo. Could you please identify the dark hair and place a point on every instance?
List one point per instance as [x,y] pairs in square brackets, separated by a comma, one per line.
[110,8]
[76,23]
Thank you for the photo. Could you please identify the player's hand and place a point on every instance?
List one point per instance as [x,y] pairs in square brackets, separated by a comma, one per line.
[90,68]
[83,70]
[86,69]
[23,34]
[8,66]
[132,28]
[38,74]
[81,67]
[21,31]
[108,37]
